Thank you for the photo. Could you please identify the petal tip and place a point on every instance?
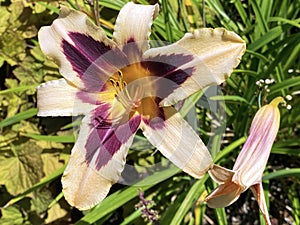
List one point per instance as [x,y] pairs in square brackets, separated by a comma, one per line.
[84,193]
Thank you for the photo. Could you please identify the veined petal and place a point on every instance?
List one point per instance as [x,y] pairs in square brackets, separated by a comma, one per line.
[85,55]
[83,187]
[258,193]
[60,98]
[178,142]
[212,53]
[254,155]
[133,26]
[98,157]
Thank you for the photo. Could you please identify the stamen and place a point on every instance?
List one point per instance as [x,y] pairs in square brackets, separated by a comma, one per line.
[112,81]
[120,73]
[122,94]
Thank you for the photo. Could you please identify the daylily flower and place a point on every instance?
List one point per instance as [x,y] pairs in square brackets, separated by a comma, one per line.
[121,85]
[249,166]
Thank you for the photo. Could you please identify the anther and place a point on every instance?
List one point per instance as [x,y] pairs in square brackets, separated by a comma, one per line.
[120,73]
[112,81]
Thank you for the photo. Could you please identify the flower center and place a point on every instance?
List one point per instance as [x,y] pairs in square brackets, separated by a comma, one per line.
[128,96]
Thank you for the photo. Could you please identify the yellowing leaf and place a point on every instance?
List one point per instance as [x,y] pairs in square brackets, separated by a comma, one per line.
[4,15]
[21,167]
[41,200]
[55,213]
[13,47]
[11,215]
[52,162]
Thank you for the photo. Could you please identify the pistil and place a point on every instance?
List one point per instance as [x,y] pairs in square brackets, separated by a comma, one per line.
[122,92]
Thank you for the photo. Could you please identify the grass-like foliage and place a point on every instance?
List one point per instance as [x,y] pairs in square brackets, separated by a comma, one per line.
[34,151]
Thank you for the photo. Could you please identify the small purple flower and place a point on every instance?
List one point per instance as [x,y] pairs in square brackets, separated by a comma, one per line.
[249,166]
[147,213]
[121,85]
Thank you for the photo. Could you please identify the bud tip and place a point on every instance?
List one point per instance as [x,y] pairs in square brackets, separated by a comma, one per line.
[277,100]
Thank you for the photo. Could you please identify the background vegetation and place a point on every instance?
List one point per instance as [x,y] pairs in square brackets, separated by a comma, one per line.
[34,151]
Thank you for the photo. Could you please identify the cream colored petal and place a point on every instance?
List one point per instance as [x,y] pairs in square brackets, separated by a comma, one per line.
[215,53]
[83,187]
[133,24]
[178,142]
[51,38]
[97,159]
[60,98]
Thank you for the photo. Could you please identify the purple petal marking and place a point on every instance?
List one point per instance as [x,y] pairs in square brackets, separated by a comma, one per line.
[87,97]
[106,138]
[93,60]
[132,50]
[167,68]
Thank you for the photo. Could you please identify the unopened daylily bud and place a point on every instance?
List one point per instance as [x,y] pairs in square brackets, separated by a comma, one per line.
[254,155]
[249,167]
